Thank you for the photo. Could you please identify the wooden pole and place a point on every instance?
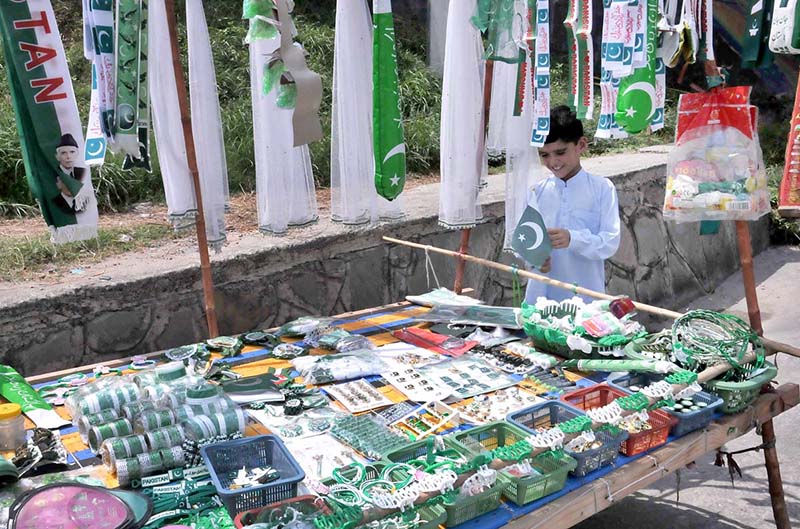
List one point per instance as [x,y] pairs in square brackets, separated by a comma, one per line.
[748,275]
[772,346]
[777,498]
[463,248]
[191,158]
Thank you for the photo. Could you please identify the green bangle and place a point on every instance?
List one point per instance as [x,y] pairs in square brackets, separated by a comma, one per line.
[356,480]
[386,475]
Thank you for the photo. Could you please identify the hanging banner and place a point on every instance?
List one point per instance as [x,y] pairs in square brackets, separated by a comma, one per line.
[128,42]
[142,157]
[98,47]
[789,199]
[388,138]
[95,150]
[637,102]
[48,124]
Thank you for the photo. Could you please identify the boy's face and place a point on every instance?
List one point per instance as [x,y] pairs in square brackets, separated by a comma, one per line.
[563,158]
[66,156]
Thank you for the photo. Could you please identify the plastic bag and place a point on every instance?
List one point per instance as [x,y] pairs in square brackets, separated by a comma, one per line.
[716,170]
[337,367]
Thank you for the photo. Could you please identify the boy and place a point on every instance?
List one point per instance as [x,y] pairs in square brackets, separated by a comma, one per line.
[580,211]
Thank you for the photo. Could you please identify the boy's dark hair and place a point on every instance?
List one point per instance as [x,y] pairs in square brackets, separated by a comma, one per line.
[564,125]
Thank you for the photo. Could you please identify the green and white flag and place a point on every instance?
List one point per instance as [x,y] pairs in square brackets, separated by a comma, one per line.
[47,119]
[388,138]
[531,241]
[98,47]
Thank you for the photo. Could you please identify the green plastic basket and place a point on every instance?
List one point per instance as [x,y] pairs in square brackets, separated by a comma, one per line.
[553,467]
[465,509]
[737,396]
[430,517]
[461,509]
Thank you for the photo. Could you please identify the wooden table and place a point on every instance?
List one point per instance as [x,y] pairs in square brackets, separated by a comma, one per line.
[589,498]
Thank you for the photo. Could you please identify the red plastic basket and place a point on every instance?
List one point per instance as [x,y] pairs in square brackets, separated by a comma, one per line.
[310,502]
[602,394]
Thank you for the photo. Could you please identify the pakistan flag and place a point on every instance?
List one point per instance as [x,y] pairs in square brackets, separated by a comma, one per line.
[389,142]
[47,119]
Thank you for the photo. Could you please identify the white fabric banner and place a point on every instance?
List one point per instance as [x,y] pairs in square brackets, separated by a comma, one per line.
[463,151]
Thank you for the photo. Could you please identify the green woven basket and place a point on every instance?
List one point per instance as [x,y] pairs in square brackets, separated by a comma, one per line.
[465,509]
[737,396]
[555,341]
[553,467]
[461,509]
[430,517]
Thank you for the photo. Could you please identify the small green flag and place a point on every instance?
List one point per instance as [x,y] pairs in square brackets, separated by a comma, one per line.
[388,138]
[531,241]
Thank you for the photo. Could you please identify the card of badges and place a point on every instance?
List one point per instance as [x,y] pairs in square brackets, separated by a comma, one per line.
[358,396]
[484,409]
[414,385]
[467,378]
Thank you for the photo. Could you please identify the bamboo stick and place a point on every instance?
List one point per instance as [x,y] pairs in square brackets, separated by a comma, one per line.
[771,346]
[191,157]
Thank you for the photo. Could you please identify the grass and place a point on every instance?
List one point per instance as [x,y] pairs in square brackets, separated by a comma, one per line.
[24,257]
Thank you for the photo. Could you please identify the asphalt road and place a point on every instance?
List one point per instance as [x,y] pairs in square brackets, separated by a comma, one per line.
[707,498]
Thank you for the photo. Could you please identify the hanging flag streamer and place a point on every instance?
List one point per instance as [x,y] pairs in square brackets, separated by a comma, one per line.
[284,178]
[607,127]
[142,157]
[95,148]
[581,57]
[755,43]
[389,142]
[463,153]
[541,105]
[98,47]
[354,195]
[637,102]
[47,118]
[789,197]
[128,42]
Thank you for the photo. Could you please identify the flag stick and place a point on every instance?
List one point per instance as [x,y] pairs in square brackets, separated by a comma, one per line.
[191,157]
[771,345]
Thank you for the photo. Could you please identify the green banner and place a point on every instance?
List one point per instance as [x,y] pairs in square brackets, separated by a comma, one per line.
[388,138]
[47,119]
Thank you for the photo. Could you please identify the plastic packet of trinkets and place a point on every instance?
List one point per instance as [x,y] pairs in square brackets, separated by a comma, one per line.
[302,326]
[716,169]
[338,367]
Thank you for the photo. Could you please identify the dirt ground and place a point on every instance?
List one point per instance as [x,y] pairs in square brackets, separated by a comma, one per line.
[241,220]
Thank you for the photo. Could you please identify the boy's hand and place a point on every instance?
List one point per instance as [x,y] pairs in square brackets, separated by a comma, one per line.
[546,267]
[559,238]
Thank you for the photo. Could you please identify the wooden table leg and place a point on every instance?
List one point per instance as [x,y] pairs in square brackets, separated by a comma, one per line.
[767,429]
[774,477]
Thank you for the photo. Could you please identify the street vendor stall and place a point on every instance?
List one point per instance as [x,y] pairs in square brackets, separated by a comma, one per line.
[478,423]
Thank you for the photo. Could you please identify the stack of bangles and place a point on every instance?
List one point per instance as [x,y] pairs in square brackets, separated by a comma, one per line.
[397,486]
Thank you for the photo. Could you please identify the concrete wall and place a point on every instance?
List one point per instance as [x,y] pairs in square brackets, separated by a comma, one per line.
[328,269]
